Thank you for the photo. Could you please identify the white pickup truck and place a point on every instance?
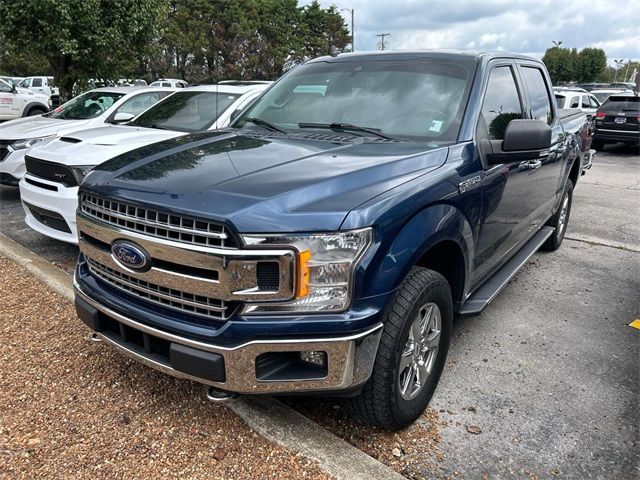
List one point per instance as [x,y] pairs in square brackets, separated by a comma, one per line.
[16,102]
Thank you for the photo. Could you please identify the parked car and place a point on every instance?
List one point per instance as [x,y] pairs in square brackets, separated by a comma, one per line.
[579,99]
[324,242]
[618,120]
[49,190]
[603,93]
[92,109]
[44,85]
[16,102]
[170,82]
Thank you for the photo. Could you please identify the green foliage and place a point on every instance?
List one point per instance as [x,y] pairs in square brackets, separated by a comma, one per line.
[80,39]
[567,65]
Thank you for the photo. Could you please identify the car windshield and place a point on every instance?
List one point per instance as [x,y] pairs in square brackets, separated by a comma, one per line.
[186,111]
[85,106]
[417,99]
[561,101]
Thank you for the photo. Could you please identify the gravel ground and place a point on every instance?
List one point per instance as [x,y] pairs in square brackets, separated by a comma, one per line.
[73,409]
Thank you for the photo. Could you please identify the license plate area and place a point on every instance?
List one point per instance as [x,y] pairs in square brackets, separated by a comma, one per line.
[620,120]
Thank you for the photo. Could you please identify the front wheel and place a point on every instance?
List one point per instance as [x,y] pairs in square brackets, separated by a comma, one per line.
[412,352]
[560,220]
[35,111]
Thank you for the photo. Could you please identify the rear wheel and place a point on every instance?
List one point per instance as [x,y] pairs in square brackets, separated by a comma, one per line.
[560,220]
[412,353]
[35,111]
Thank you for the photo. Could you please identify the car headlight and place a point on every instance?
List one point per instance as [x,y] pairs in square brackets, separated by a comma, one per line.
[81,172]
[324,269]
[27,142]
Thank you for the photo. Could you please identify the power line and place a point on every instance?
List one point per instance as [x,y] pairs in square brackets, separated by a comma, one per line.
[382,45]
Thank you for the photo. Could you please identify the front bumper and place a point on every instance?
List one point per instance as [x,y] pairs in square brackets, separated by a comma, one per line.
[12,167]
[56,202]
[253,367]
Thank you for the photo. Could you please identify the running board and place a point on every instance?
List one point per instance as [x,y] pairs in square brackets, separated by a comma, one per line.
[490,289]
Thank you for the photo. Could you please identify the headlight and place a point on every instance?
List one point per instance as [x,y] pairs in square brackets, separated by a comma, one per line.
[27,143]
[81,172]
[325,265]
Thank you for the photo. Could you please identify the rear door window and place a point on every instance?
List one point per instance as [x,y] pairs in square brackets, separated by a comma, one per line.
[501,103]
[585,102]
[538,94]
[37,82]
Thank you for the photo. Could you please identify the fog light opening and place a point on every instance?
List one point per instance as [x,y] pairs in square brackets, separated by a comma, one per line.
[314,357]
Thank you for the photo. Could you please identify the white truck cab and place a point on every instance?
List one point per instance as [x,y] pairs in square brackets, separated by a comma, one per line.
[40,84]
[170,82]
[16,102]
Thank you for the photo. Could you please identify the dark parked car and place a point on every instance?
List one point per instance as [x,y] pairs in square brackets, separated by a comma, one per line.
[324,242]
[617,120]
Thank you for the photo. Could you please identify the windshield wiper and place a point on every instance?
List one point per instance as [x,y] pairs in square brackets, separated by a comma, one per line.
[346,126]
[265,124]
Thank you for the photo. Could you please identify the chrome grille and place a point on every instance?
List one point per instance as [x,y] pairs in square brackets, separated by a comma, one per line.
[175,299]
[155,223]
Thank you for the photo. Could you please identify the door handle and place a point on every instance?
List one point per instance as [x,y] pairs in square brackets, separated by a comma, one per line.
[534,164]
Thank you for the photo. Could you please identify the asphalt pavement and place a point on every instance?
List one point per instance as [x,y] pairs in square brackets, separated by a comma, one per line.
[545,383]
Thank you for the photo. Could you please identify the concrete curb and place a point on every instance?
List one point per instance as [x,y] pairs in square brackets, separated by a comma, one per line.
[268,417]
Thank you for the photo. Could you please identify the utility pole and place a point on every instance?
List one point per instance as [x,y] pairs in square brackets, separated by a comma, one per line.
[353,32]
[382,35]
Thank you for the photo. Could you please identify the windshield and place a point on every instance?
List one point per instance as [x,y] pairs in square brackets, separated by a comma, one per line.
[561,101]
[186,111]
[85,106]
[418,99]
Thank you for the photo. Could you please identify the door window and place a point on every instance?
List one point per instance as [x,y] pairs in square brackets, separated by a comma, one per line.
[575,102]
[585,102]
[25,83]
[501,104]
[36,82]
[538,94]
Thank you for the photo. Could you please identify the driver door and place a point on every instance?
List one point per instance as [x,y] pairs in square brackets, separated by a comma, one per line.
[507,188]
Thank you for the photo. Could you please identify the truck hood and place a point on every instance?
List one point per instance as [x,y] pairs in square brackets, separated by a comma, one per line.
[260,182]
[97,145]
[36,127]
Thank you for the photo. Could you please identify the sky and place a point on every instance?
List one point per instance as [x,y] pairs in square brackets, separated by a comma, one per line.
[524,26]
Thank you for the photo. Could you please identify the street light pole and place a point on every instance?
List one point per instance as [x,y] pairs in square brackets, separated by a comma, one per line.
[353,32]
[618,63]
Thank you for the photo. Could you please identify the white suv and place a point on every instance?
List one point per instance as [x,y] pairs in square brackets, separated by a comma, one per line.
[49,189]
[92,109]
[578,98]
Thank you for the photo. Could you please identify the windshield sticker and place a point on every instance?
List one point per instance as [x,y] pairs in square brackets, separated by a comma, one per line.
[436,126]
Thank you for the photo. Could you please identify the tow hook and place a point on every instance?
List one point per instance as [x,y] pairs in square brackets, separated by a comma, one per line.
[95,338]
[219,396]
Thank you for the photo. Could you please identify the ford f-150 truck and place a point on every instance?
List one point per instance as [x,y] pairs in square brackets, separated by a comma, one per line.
[325,241]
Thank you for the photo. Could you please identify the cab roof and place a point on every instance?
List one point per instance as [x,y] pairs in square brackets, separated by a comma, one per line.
[441,54]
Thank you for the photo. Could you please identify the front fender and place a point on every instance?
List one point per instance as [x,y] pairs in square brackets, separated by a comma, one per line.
[399,251]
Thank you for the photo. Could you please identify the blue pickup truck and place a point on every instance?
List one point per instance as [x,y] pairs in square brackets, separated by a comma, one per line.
[324,243]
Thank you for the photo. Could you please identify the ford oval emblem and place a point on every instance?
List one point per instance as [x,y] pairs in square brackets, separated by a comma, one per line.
[131,256]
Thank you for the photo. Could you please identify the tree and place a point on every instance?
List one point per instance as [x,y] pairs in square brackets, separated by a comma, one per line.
[81,39]
[567,65]
[322,29]
[591,63]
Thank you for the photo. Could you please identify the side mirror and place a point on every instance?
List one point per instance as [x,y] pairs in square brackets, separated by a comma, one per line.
[523,135]
[122,117]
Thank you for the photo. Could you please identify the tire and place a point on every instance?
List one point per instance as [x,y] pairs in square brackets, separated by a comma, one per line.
[383,402]
[35,111]
[560,221]
[597,145]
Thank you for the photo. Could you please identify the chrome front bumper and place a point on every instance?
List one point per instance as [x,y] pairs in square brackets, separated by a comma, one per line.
[350,358]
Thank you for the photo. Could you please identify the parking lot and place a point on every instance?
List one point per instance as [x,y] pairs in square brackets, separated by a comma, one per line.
[544,383]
